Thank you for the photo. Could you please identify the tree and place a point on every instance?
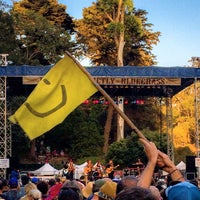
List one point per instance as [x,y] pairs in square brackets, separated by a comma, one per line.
[127,151]
[81,133]
[106,30]
[7,36]
[97,32]
[43,30]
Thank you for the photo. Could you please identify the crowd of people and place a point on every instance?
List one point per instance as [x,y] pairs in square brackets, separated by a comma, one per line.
[131,187]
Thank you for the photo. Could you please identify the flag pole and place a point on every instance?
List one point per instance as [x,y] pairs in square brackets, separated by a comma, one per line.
[105,94]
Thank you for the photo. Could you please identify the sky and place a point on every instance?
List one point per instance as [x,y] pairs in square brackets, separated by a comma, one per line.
[177,20]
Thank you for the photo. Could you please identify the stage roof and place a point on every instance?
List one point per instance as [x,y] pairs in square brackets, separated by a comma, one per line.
[118,81]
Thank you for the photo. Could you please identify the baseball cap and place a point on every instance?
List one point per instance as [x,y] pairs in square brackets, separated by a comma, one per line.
[184,190]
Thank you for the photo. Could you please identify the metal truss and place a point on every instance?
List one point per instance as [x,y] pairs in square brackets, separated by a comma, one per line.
[169,119]
[5,131]
[197,120]
[197,116]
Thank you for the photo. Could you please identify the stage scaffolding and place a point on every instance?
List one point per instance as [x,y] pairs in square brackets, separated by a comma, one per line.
[187,75]
[5,127]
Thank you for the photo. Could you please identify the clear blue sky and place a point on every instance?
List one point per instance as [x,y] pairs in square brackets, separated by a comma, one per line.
[177,20]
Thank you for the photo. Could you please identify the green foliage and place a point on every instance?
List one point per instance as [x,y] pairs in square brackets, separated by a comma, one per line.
[129,150]
[80,135]
[94,159]
[40,42]
[113,4]
[180,154]
[115,27]
[125,152]
[99,32]
[18,136]
[7,36]
[43,31]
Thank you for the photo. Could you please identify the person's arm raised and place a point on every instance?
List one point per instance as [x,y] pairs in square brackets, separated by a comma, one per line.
[152,154]
[167,165]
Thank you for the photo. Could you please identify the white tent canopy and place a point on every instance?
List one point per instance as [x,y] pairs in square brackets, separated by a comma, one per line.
[79,170]
[181,166]
[45,170]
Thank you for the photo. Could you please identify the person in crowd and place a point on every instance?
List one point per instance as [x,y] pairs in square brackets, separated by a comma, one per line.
[93,187]
[14,192]
[15,173]
[136,192]
[35,180]
[1,188]
[151,151]
[68,194]
[35,194]
[125,182]
[179,188]
[43,187]
[29,186]
[106,192]
[51,182]
[24,180]
[54,189]
[70,190]
[156,193]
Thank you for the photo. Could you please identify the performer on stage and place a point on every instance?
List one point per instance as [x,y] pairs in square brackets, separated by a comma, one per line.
[88,171]
[110,169]
[65,170]
[71,170]
[68,170]
[98,170]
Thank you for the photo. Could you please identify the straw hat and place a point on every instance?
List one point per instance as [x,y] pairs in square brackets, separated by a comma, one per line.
[108,190]
[87,190]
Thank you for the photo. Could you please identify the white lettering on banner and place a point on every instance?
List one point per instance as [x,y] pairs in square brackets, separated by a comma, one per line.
[136,81]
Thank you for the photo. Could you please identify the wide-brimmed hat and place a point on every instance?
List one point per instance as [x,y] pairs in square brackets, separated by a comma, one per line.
[108,190]
[87,190]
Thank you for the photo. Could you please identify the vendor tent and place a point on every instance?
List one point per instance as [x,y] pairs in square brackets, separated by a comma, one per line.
[45,170]
[79,170]
[181,166]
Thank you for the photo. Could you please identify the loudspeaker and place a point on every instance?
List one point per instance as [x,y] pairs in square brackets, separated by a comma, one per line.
[190,164]
[190,176]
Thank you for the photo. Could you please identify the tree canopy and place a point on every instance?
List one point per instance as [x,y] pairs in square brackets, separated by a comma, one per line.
[99,28]
[43,31]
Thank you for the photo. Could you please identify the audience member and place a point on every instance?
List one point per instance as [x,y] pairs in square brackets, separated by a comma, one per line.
[182,191]
[14,192]
[68,194]
[43,187]
[35,194]
[136,192]
[179,188]
[29,186]
[107,191]
[72,188]
[54,190]
[126,181]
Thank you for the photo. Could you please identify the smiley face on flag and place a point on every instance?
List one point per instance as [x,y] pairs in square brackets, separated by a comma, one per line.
[60,91]
[52,110]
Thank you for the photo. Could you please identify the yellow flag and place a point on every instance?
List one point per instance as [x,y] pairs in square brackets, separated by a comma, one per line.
[60,91]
